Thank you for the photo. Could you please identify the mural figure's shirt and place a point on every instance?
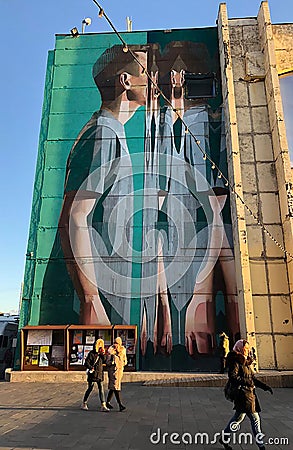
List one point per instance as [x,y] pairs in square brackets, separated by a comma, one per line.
[99,166]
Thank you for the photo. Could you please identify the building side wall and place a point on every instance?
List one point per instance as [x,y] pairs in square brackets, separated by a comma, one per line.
[246,314]
[265,170]
[283,42]
[282,163]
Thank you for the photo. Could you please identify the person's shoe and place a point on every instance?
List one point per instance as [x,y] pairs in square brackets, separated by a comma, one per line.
[121,408]
[104,408]
[109,406]
[84,406]
[226,446]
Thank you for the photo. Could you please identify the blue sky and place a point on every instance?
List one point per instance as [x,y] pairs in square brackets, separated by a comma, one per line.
[28,31]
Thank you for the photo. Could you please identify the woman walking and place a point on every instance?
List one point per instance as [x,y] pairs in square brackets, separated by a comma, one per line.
[116,362]
[243,383]
[95,370]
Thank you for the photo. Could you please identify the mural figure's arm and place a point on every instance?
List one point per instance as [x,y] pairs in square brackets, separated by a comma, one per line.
[227,263]
[226,257]
[76,245]
[199,322]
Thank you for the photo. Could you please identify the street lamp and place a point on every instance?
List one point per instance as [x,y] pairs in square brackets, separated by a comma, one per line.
[87,21]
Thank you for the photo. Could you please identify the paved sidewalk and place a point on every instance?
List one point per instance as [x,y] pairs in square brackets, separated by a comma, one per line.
[48,416]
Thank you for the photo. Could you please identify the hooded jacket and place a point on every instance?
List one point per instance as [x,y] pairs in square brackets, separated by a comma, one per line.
[116,362]
[94,361]
[243,380]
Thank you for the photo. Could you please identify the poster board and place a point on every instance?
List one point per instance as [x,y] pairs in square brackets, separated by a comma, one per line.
[81,339]
[66,347]
[44,348]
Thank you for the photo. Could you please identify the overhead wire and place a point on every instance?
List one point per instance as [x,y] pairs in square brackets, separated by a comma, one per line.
[214,166]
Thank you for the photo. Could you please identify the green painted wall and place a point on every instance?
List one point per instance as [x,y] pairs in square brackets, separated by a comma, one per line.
[71,97]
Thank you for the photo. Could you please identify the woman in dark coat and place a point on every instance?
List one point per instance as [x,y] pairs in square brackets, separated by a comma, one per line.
[243,383]
[94,363]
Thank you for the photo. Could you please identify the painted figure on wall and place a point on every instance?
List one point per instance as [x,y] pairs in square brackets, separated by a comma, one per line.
[98,186]
[187,285]
[180,182]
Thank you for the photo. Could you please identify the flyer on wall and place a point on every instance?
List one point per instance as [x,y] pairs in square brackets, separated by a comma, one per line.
[77,337]
[90,337]
[86,350]
[35,355]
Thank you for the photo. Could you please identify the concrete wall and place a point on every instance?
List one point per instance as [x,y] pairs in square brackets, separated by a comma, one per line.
[283,41]
[260,169]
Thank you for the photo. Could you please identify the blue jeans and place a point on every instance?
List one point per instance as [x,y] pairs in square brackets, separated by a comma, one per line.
[90,388]
[254,420]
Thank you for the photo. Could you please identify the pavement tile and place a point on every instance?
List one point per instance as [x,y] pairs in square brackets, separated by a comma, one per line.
[49,417]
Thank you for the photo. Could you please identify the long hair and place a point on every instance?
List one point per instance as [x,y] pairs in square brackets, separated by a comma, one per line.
[99,343]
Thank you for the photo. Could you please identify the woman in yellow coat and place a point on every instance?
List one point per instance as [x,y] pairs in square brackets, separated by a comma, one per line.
[116,361]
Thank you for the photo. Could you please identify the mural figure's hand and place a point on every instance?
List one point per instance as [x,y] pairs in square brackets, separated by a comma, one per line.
[200,319]
[166,339]
[200,314]
[199,326]
[227,263]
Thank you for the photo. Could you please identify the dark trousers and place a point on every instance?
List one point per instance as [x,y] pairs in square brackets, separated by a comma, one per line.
[222,364]
[90,388]
[117,395]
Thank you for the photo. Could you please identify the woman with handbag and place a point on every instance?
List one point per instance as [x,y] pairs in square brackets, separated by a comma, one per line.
[94,363]
[243,383]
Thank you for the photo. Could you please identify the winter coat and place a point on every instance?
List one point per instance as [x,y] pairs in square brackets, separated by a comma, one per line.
[115,363]
[243,380]
[95,361]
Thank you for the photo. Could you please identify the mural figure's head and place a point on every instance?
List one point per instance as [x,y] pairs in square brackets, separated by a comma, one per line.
[116,72]
[176,59]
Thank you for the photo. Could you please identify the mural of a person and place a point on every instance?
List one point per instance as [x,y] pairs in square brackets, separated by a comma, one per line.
[176,170]
[144,229]
[200,327]
[178,58]
[173,208]
[99,170]
[154,285]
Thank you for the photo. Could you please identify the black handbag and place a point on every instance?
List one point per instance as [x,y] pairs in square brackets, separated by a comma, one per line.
[230,391]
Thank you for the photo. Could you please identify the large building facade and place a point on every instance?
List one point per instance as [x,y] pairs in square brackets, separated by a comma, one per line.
[163,191]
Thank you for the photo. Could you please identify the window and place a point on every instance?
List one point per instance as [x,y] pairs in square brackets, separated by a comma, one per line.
[200,85]
[286,84]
